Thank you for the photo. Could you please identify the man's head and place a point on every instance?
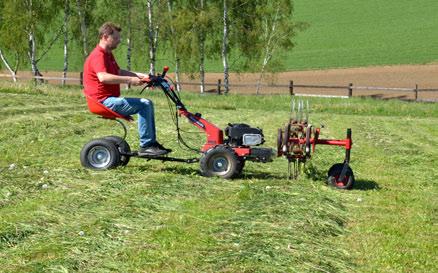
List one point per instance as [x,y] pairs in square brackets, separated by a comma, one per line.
[109,35]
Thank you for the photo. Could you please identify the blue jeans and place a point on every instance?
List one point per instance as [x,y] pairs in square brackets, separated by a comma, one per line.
[145,110]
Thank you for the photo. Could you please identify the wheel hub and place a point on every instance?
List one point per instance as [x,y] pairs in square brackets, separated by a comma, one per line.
[220,165]
[99,157]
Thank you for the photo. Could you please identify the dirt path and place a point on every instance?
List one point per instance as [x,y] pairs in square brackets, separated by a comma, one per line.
[405,76]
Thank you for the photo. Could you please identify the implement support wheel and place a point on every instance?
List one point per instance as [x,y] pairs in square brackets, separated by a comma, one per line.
[334,177]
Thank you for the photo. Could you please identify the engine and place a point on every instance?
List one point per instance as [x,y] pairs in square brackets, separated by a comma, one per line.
[240,134]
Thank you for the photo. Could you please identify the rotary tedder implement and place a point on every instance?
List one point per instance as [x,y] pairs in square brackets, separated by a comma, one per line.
[298,139]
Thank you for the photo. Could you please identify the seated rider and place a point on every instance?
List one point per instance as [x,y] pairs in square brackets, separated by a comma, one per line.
[102,79]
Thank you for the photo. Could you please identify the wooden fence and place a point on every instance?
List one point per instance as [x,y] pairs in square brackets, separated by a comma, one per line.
[348,90]
[343,91]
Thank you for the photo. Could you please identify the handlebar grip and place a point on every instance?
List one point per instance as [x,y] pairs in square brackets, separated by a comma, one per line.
[165,69]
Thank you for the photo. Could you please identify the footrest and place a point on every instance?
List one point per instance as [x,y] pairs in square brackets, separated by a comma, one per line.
[165,158]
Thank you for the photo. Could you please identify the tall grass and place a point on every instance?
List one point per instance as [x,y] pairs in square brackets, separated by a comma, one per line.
[150,216]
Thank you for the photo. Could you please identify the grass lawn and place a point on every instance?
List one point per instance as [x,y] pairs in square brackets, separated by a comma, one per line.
[150,216]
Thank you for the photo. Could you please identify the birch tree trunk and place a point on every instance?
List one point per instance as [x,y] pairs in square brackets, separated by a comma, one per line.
[32,57]
[129,40]
[66,17]
[269,33]
[202,54]
[5,61]
[225,48]
[152,36]
[175,52]
[83,29]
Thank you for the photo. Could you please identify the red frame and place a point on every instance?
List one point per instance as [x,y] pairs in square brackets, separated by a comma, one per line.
[215,136]
[347,143]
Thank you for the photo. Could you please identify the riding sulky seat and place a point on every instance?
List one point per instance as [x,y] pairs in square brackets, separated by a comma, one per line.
[98,108]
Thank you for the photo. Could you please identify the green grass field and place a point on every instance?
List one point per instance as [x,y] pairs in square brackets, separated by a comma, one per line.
[341,33]
[355,33]
[150,216]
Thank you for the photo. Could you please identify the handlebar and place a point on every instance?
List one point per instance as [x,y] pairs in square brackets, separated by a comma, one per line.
[165,69]
[160,81]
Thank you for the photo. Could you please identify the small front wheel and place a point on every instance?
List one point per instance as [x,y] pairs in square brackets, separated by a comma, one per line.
[334,174]
[100,154]
[220,161]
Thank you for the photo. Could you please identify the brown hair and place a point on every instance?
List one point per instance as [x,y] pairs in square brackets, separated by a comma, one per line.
[108,28]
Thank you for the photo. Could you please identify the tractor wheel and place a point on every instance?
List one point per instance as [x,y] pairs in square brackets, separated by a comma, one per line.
[100,154]
[123,148]
[333,177]
[220,161]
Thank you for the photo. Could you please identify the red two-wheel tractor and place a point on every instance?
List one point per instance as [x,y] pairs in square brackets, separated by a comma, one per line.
[222,157]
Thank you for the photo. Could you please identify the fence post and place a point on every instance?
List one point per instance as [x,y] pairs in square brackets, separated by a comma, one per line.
[219,86]
[291,88]
[350,90]
[416,92]
[81,78]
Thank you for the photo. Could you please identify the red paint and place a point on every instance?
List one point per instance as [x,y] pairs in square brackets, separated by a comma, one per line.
[98,108]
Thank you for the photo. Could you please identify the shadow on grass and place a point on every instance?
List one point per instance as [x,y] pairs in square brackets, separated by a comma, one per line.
[362,185]
[260,175]
[182,170]
[365,185]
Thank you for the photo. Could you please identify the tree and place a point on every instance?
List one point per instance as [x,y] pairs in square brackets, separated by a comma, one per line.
[28,27]
[277,33]
[173,34]
[65,29]
[225,46]
[125,13]
[82,18]
[11,70]
[195,35]
[4,43]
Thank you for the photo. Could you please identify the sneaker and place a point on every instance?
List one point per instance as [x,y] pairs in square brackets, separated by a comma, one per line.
[162,147]
[152,150]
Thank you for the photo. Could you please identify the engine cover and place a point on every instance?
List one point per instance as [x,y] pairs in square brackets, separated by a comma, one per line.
[240,134]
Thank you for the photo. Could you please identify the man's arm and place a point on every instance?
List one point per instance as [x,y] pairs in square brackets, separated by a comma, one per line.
[108,78]
[132,74]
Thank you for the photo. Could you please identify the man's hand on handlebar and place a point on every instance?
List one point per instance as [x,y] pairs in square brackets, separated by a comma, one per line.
[135,81]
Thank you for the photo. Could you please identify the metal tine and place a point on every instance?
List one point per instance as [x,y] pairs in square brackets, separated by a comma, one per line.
[307,111]
[292,110]
[300,111]
[297,110]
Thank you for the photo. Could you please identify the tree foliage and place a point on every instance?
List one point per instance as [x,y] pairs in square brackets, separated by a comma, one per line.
[188,32]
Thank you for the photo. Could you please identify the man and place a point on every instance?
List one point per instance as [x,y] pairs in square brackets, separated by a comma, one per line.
[102,79]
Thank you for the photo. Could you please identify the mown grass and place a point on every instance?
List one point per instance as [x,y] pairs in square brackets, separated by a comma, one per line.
[150,216]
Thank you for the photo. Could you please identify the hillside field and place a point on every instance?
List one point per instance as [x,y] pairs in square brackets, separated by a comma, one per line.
[56,216]
[341,33]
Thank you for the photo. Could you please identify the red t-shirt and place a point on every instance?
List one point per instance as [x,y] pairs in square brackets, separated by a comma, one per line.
[100,61]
